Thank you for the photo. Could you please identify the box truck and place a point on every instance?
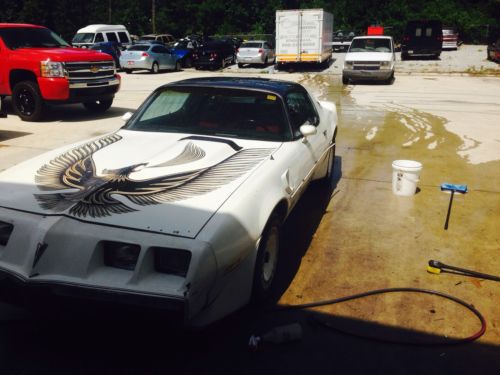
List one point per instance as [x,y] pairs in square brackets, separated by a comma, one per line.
[303,35]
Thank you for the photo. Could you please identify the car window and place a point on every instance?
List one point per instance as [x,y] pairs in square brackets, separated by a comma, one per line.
[156,49]
[99,38]
[246,114]
[428,31]
[143,47]
[418,31]
[371,45]
[112,37]
[123,37]
[251,45]
[300,109]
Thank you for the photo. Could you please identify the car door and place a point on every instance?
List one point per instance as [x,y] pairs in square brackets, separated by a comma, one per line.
[305,154]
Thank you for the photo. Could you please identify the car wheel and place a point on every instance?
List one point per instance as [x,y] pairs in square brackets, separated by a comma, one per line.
[240,65]
[266,263]
[178,66]
[327,178]
[98,106]
[127,71]
[390,79]
[404,56]
[27,101]
[188,63]
[265,62]
[345,80]
[222,63]
[155,68]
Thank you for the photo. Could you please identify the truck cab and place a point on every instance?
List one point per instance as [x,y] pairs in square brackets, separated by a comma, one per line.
[37,68]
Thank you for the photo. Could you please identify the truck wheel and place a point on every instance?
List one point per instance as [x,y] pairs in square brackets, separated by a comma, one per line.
[266,263]
[345,80]
[178,65]
[27,101]
[155,68]
[128,71]
[98,106]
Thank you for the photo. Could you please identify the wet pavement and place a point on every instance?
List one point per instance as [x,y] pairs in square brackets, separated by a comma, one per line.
[356,236]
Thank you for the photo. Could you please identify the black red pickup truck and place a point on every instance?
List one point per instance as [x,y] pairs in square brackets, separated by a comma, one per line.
[37,67]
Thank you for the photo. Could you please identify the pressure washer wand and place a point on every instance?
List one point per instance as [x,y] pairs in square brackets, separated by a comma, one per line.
[436,267]
[453,188]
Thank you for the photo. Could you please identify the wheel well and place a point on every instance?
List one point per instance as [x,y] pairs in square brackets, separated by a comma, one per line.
[281,210]
[17,76]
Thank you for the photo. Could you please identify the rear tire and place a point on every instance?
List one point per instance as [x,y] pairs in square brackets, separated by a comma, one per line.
[266,263]
[98,106]
[127,71]
[345,80]
[240,65]
[27,101]
[155,68]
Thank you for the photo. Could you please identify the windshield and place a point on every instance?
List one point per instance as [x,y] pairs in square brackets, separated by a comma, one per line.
[83,38]
[222,112]
[31,37]
[148,37]
[143,47]
[251,45]
[371,45]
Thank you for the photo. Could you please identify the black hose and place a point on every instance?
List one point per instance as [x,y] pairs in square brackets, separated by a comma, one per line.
[451,341]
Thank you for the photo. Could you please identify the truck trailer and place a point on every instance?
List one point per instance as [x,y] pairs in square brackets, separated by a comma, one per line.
[303,36]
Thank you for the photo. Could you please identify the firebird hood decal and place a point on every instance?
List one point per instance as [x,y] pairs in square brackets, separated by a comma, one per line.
[95,195]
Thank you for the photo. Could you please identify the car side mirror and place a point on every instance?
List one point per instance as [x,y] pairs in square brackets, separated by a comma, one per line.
[127,116]
[307,130]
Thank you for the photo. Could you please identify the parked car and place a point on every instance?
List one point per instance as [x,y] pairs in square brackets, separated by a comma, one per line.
[149,56]
[167,39]
[493,49]
[369,58]
[450,38]
[91,34]
[214,54]
[38,68]
[184,49]
[111,48]
[168,211]
[342,39]
[422,39]
[255,52]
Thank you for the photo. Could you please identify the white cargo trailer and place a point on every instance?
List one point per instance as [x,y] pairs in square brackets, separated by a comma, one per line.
[303,35]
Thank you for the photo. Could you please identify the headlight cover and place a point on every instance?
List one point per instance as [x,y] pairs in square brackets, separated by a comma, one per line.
[171,261]
[348,64]
[120,255]
[52,69]
[385,64]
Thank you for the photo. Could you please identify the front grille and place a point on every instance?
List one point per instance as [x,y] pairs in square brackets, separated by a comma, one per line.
[366,65]
[81,72]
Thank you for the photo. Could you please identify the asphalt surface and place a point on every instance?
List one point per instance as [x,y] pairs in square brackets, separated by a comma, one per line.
[352,237]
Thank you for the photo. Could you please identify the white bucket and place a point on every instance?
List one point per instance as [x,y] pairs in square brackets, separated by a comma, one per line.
[405,176]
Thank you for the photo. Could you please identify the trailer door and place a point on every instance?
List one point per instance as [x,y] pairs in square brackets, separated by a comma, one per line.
[311,38]
[288,36]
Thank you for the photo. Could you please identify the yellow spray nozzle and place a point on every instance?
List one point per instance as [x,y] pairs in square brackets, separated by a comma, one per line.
[434,270]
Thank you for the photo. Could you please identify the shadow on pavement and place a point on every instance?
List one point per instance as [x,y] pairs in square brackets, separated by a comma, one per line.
[5,135]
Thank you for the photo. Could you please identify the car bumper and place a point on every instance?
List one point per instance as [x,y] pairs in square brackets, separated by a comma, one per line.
[450,45]
[251,59]
[375,75]
[136,64]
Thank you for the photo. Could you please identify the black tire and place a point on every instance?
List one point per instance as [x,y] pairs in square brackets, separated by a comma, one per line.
[345,80]
[27,101]
[404,56]
[240,65]
[98,106]
[222,63]
[390,80]
[188,62]
[155,68]
[178,66]
[266,263]
[127,71]
[265,62]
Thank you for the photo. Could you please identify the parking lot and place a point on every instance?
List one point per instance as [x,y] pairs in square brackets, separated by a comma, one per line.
[357,237]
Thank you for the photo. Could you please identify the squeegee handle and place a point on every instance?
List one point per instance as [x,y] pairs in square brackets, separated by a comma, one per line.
[449,210]
[467,272]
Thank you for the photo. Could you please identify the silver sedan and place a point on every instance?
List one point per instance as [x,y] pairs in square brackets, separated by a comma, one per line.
[152,57]
[255,52]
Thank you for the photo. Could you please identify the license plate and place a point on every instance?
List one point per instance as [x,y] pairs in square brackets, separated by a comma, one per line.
[130,63]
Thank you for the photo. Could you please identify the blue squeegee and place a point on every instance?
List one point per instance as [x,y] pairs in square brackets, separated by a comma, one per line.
[462,189]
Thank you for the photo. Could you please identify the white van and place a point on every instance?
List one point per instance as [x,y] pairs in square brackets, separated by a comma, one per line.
[92,34]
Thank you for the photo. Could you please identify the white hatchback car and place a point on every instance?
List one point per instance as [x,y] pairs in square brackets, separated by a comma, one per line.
[255,52]
[370,58]
[181,209]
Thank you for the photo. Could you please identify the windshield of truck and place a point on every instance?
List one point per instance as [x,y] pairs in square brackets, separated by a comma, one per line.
[31,37]
[83,38]
[237,113]
[371,45]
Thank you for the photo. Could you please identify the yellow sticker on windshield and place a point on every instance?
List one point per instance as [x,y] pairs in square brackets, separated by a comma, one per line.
[271,97]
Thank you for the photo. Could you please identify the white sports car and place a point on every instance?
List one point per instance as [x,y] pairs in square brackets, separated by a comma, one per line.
[180,209]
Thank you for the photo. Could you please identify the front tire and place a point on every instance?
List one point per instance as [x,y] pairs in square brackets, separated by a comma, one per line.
[327,178]
[266,263]
[27,101]
[345,80]
[98,106]
[178,66]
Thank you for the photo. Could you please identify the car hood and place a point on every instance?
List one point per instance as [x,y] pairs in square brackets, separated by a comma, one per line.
[159,182]
[368,56]
[61,54]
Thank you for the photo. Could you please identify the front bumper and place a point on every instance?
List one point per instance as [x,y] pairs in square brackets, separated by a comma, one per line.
[369,75]
[61,91]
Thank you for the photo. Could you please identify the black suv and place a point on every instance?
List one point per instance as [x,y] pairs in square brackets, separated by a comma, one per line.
[214,54]
[422,39]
